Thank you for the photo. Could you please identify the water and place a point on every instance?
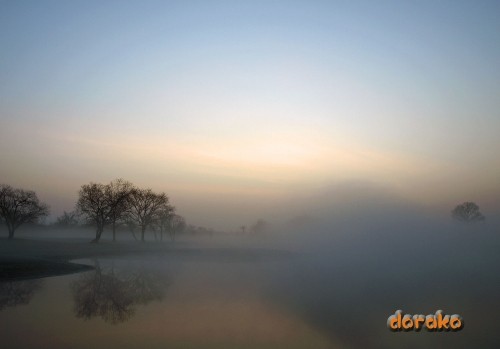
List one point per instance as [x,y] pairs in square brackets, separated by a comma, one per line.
[332,297]
[152,302]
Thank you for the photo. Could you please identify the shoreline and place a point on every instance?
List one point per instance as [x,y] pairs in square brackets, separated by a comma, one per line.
[22,259]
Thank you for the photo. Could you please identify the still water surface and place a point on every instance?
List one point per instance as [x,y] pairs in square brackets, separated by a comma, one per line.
[248,300]
[154,303]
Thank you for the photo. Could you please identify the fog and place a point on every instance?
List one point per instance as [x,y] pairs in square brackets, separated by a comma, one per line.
[326,270]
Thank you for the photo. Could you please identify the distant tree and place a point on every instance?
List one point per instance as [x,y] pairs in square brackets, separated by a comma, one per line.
[18,206]
[118,198]
[243,228]
[145,206]
[177,225]
[67,220]
[468,212]
[301,221]
[94,205]
[132,226]
[164,219]
[191,229]
[259,226]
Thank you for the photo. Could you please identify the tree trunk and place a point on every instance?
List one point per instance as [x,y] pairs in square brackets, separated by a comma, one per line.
[11,232]
[143,230]
[98,233]
[114,231]
[133,234]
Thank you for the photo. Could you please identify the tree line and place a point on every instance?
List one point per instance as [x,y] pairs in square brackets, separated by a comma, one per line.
[101,205]
[122,203]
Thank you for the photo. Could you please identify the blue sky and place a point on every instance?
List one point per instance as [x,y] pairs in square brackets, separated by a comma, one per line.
[251,99]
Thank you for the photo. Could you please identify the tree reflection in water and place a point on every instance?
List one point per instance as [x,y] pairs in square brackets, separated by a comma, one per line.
[113,296]
[14,293]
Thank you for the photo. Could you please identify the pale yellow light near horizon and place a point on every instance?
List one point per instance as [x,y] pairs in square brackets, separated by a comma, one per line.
[207,176]
[286,158]
[280,160]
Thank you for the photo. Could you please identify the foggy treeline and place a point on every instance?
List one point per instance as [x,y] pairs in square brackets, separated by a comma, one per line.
[122,203]
[120,206]
[116,204]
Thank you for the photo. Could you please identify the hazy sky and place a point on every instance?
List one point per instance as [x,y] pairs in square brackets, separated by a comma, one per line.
[236,105]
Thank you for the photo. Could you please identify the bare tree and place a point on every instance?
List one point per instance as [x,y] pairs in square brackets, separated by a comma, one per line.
[131,225]
[18,206]
[67,220]
[177,225]
[164,219]
[94,205]
[118,197]
[145,206]
[259,226]
[468,212]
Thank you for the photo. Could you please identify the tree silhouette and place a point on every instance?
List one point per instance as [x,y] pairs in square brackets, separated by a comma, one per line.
[94,206]
[18,206]
[177,225]
[468,212]
[259,226]
[118,196]
[145,206]
[103,204]
[164,219]
[67,220]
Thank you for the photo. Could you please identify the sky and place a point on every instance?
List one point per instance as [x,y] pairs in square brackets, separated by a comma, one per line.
[236,107]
